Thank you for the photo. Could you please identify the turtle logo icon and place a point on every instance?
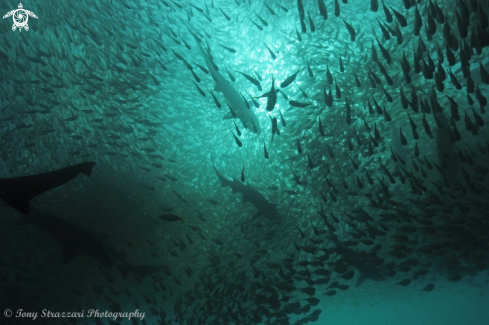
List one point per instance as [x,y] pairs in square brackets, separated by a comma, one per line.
[20,17]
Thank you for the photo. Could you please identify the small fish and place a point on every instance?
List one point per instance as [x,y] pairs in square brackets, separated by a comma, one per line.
[257,26]
[298,104]
[228,48]
[204,70]
[225,15]
[237,140]
[303,92]
[230,76]
[384,52]
[429,287]
[263,21]
[233,113]
[321,129]
[404,282]
[271,52]
[170,217]
[213,202]
[252,80]
[309,70]
[289,80]
[298,35]
[201,217]
[350,29]
[196,77]
[299,148]
[257,105]
[323,11]
[301,233]
[272,97]
[243,175]
[336,8]
[281,7]
[374,5]
[237,129]
[284,124]
[283,94]
[309,161]
[258,76]
[272,12]
[180,197]
[216,101]
[311,22]
[402,137]
[388,15]
[199,89]
[400,18]
[275,129]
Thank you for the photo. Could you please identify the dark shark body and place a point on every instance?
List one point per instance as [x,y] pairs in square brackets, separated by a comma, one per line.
[76,240]
[233,97]
[19,191]
[265,208]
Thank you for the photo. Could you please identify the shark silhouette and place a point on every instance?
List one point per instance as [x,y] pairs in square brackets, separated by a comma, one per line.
[76,240]
[233,97]
[265,208]
[19,191]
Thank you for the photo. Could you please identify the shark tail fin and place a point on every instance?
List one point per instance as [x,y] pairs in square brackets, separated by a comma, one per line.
[86,168]
[19,203]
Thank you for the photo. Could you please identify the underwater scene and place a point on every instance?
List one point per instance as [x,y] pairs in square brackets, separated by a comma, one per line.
[244,162]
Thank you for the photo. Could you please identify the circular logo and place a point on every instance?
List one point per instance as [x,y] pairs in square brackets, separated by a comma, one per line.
[7,313]
[20,17]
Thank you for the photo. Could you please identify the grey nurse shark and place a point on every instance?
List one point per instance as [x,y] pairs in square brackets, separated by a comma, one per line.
[18,192]
[265,208]
[233,97]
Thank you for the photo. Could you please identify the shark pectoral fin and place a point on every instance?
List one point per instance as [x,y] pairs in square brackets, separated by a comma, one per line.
[19,202]
[228,116]
[86,168]
[18,191]
[218,87]
[361,279]
[69,253]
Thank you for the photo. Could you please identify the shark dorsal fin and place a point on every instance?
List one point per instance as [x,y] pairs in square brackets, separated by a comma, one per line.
[18,191]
